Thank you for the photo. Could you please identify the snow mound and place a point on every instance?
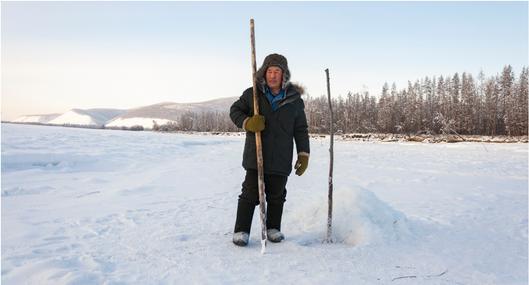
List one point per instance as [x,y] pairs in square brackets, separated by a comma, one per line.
[359,218]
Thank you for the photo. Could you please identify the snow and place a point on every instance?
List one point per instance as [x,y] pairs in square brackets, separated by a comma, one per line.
[88,117]
[84,206]
[263,246]
[147,123]
[73,117]
[36,118]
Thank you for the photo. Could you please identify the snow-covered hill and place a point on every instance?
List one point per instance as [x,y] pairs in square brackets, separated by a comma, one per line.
[168,112]
[83,206]
[89,117]
[172,111]
[162,113]
[43,119]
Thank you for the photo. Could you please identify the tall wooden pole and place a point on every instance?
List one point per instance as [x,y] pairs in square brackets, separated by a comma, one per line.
[331,152]
[258,146]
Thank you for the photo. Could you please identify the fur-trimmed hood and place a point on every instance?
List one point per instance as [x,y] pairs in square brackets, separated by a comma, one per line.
[294,87]
[273,60]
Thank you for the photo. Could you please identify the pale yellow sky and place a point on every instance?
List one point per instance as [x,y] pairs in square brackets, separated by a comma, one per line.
[62,55]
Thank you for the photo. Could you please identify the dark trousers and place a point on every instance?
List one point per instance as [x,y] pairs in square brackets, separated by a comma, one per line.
[275,198]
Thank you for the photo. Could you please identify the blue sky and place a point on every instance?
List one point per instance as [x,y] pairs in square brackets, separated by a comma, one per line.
[62,55]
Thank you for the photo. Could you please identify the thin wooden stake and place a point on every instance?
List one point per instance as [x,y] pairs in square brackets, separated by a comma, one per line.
[331,152]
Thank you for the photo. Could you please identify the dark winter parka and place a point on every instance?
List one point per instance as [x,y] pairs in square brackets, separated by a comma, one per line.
[282,127]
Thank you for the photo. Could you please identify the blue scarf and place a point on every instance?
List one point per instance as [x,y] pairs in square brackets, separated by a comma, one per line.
[274,99]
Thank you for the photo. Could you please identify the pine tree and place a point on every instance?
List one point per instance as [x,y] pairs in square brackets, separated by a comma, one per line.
[455,92]
[384,110]
[506,99]
[521,111]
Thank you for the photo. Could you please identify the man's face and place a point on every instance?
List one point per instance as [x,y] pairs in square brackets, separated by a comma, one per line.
[274,77]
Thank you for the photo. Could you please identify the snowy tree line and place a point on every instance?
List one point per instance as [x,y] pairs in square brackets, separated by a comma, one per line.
[456,103]
[452,104]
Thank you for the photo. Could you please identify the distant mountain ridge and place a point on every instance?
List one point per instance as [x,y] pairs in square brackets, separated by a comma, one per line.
[171,111]
[44,118]
[160,113]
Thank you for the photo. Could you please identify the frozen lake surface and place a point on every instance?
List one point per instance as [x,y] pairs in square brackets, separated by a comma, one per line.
[83,206]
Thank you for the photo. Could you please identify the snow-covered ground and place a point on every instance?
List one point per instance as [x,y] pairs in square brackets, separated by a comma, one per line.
[82,206]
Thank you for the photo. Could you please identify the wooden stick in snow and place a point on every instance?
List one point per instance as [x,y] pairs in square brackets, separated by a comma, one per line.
[331,152]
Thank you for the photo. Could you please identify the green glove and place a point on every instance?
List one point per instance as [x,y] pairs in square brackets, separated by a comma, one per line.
[301,164]
[255,123]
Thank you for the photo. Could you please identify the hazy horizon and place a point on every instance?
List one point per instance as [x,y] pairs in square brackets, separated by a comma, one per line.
[104,107]
[62,55]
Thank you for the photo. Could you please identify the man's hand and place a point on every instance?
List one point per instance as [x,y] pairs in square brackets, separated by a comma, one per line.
[302,163]
[254,124]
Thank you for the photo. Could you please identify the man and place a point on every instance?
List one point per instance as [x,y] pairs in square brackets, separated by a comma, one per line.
[281,121]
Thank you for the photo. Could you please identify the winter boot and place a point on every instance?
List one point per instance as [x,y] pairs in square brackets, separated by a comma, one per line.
[240,238]
[274,235]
